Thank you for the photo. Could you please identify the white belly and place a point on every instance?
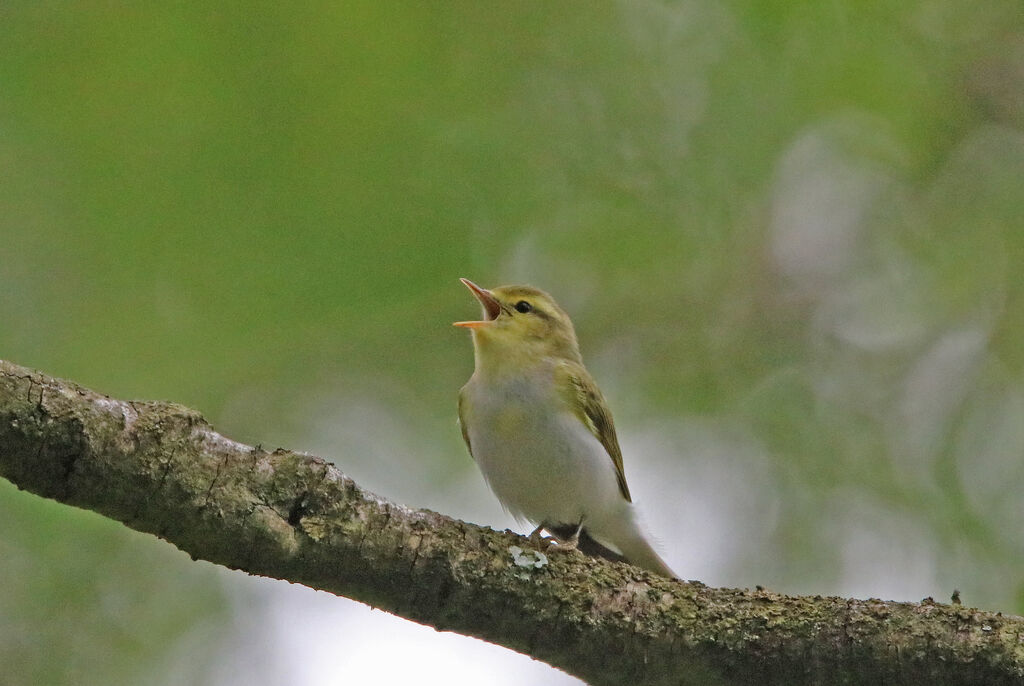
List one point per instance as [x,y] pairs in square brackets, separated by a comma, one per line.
[540,460]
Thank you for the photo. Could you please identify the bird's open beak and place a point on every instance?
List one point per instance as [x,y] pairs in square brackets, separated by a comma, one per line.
[491,307]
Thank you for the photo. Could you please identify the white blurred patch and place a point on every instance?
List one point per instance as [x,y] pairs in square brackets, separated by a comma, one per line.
[707,494]
[292,634]
[371,444]
[883,553]
[933,392]
[879,312]
[467,497]
[827,184]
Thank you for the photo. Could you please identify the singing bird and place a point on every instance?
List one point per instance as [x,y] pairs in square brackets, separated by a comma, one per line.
[541,432]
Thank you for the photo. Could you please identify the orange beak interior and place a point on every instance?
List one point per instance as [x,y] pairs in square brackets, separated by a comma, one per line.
[492,308]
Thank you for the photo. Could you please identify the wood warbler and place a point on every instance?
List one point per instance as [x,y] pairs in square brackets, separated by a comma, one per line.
[538,426]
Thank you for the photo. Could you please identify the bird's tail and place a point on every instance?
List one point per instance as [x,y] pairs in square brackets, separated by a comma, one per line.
[635,550]
[638,551]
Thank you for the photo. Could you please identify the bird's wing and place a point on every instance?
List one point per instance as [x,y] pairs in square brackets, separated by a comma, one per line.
[587,403]
[462,423]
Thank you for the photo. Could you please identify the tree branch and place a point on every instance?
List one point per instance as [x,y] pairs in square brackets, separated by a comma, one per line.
[161,469]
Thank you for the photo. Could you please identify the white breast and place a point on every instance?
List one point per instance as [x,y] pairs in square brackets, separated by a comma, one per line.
[540,460]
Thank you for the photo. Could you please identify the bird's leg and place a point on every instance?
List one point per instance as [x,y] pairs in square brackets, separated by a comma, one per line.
[536,538]
[573,541]
[561,535]
[557,536]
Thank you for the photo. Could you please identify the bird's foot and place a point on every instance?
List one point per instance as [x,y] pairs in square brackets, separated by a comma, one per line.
[539,541]
[558,538]
[573,542]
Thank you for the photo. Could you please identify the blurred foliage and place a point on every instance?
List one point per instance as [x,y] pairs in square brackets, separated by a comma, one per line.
[802,221]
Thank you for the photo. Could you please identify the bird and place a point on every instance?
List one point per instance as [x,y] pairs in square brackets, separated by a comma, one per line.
[541,432]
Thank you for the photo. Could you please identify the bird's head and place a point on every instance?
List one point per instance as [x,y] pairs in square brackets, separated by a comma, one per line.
[520,325]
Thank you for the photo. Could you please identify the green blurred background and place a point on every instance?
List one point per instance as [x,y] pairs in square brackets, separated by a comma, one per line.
[790,235]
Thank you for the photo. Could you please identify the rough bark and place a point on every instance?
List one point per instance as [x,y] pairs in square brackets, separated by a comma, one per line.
[161,469]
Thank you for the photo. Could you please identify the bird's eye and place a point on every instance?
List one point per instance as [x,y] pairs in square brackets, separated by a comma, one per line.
[523,306]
